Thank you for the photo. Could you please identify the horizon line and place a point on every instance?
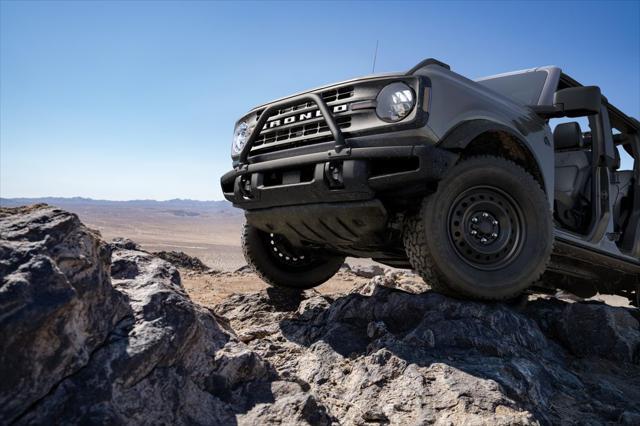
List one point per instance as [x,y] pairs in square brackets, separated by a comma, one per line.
[110,200]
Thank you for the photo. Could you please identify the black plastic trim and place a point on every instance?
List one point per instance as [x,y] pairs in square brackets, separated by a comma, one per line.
[249,191]
[273,108]
[427,62]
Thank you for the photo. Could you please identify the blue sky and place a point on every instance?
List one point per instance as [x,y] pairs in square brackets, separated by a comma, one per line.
[128,100]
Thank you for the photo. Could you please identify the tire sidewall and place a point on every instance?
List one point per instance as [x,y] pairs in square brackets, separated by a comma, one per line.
[261,260]
[537,227]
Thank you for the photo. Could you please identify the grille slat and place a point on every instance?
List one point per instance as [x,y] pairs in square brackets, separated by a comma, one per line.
[327,96]
[317,127]
[311,130]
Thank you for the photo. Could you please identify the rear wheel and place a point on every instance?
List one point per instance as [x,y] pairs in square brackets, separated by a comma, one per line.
[486,232]
[279,264]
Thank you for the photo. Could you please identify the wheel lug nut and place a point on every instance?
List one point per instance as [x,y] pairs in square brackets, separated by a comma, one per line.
[483,240]
[495,222]
[474,232]
[485,214]
[474,219]
[494,235]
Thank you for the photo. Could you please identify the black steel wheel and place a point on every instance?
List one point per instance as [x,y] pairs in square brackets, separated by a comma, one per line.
[280,264]
[282,253]
[487,231]
[485,227]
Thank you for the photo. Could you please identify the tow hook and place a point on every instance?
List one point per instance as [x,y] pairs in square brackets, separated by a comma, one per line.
[245,186]
[333,174]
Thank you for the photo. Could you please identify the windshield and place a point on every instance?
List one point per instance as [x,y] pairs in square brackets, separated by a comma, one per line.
[524,88]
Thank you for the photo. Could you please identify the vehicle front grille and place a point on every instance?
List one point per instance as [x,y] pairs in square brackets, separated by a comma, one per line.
[327,96]
[309,131]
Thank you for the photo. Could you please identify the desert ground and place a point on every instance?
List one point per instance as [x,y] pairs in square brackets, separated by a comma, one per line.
[210,289]
[208,230]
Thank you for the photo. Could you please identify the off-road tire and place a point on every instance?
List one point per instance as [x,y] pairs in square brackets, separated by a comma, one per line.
[437,255]
[317,268]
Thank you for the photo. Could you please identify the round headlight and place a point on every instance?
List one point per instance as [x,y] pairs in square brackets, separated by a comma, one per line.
[395,102]
[240,137]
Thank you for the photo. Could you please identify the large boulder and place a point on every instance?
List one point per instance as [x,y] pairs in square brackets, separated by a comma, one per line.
[79,346]
[388,356]
[182,260]
[57,304]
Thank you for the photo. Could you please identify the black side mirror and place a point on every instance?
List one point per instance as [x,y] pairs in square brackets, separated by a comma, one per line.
[578,101]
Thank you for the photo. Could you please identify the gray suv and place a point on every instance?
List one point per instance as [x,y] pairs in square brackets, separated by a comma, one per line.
[463,181]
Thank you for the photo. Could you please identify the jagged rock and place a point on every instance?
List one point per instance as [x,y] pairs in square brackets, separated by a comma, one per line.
[399,358]
[182,260]
[601,331]
[244,269]
[124,244]
[345,267]
[79,347]
[591,329]
[405,281]
[57,305]
[82,345]
[369,271]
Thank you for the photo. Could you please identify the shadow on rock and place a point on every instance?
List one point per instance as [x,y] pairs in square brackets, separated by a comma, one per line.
[400,358]
[105,334]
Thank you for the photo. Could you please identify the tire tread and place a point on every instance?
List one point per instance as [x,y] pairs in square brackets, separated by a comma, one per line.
[417,248]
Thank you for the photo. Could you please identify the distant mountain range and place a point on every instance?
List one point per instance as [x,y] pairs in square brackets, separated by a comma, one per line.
[179,207]
[177,202]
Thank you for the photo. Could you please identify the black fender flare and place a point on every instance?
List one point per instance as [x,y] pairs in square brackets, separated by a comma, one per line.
[460,136]
[463,133]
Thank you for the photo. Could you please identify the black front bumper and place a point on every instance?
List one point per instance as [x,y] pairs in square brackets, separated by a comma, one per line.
[363,174]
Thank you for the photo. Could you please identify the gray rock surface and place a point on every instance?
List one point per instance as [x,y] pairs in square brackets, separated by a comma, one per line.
[366,271]
[81,347]
[181,259]
[57,305]
[388,356]
[104,333]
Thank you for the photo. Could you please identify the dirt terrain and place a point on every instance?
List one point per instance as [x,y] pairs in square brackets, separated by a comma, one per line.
[210,289]
[209,230]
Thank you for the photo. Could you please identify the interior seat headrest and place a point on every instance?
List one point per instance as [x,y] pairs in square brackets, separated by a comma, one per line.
[568,136]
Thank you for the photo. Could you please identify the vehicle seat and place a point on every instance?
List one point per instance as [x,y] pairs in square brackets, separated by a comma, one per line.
[573,172]
[621,194]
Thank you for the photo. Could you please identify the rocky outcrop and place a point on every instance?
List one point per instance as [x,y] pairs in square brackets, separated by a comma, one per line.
[388,356]
[365,271]
[104,333]
[182,260]
[81,346]
[57,304]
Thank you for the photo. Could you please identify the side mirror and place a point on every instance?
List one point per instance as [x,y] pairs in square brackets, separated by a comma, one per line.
[578,101]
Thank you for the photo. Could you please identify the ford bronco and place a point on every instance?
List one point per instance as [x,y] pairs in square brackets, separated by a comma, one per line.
[484,187]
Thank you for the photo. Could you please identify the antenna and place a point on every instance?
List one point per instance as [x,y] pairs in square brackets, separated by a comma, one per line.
[375,55]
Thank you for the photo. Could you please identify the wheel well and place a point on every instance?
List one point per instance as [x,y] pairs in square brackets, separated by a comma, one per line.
[506,145]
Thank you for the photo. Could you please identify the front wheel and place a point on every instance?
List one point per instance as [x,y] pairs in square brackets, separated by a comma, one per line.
[485,233]
[279,264]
